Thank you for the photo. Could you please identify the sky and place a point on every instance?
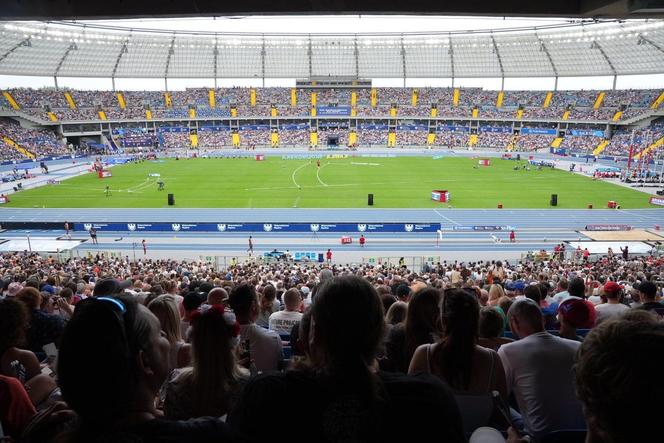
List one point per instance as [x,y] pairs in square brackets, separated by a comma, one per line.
[335,24]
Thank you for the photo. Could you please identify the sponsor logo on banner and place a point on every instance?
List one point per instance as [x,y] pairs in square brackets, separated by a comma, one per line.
[608,227]
[221,227]
[267,227]
[314,228]
[409,228]
[176,227]
[361,228]
[87,226]
[659,201]
[131,226]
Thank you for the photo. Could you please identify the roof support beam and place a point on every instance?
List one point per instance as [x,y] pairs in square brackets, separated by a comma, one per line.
[25,42]
[263,61]
[451,53]
[403,61]
[171,51]
[356,53]
[500,61]
[71,47]
[123,51]
[310,55]
[545,50]
[595,44]
[651,43]
[216,56]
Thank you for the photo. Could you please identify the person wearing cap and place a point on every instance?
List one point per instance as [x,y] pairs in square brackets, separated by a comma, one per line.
[574,314]
[648,292]
[110,287]
[613,306]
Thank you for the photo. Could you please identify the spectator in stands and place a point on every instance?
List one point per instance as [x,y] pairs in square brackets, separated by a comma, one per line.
[345,398]
[282,322]
[577,288]
[269,305]
[217,296]
[396,313]
[574,314]
[44,328]
[118,341]
[472,371]
[14,361]
[561,291]
[491,328]
[422,326]
[648,292]
[190,303]
[265,345]
[212,385]
[614,372]
[613,293]
[16,409]
[164,308]
[538,369]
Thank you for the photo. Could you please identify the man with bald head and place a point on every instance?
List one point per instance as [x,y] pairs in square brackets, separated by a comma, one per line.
[538,369]
[217,296]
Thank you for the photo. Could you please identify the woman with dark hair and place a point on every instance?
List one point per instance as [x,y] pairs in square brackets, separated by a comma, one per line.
[113,358]
[15,362]
[472,371]
[211,386]
[422,326]
[344,397]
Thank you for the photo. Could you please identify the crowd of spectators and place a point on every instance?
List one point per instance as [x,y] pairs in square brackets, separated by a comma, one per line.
[325,134]
[41,142]
[174,140]
[413,137]
[531,142]
[184,343]
[580,103]
[452,139]
[294,137]
[581,143]
[494,140]
[370,137]
[255,137]
[214,139]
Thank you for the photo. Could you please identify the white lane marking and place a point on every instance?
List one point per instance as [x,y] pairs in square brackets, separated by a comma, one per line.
[295,172]
[446,218]
[318,176]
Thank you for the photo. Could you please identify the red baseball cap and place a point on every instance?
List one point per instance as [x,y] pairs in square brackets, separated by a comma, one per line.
[580,314]
[612,287]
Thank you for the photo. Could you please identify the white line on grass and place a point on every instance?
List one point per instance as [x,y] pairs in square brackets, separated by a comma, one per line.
[295,172]
[446,218]
[318,176]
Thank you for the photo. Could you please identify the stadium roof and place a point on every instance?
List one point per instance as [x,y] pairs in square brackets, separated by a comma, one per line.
[586,49]
[82,9]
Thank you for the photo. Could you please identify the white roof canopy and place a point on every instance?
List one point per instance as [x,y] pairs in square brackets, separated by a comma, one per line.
[589,49]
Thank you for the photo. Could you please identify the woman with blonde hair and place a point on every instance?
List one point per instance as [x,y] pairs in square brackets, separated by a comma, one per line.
[495,293]
[396,313]
[268,305]
[164,307]
[214,382]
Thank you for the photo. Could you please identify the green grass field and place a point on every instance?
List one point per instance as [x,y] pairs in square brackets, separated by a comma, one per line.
[404,182]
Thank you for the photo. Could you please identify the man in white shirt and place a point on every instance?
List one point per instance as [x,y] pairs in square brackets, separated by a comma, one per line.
[282,322]
[264,345]
[538,368]
[612,291]
[561,291]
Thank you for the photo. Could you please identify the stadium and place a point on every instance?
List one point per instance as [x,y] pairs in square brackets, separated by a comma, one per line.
[424,176]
